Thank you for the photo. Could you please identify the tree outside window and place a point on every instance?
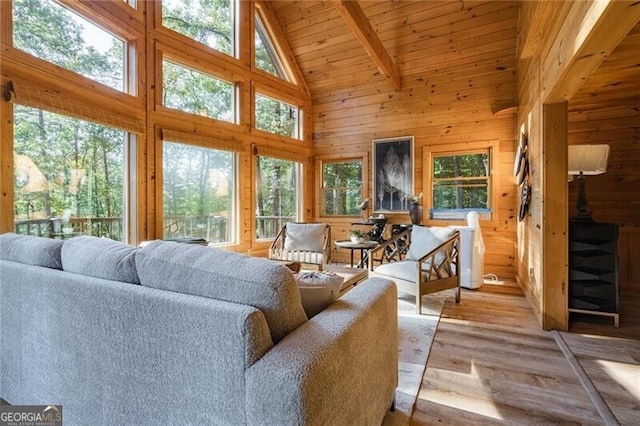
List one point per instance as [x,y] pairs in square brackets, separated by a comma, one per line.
[191,91]
[49,31]
[210,22]
[275,116]
[460,183]
[277,194]
[69,176]
[342,187]
[198,192]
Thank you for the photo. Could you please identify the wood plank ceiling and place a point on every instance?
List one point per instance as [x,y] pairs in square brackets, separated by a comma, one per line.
[416,34]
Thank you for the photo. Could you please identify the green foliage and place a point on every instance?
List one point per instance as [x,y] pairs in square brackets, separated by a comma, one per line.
[461,181]
[51,32]
[191,91]
[275,116]
[209,22]
[342,187]
[266,58]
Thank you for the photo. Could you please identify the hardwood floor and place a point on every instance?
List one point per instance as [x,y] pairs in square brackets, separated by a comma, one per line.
[490,363]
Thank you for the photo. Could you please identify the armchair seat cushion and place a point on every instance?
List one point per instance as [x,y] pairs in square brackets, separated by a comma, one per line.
[406,270]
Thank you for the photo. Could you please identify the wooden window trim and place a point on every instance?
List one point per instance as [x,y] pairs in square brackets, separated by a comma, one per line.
[428,152]
[320,160]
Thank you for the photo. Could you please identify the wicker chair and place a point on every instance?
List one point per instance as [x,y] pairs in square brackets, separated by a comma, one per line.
[307,243]
[430,266]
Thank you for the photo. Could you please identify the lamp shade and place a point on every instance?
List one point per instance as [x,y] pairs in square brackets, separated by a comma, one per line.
[588,159]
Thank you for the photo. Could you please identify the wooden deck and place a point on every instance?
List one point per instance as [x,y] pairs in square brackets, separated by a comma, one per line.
[490,363]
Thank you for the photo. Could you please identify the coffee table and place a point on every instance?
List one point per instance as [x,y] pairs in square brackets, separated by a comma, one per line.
[352,276]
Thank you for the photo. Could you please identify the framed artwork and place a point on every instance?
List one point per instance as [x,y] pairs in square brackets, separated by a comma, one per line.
[392,174]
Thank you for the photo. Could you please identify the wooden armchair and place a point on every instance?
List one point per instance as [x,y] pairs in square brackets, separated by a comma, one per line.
[307,243]
[420,260]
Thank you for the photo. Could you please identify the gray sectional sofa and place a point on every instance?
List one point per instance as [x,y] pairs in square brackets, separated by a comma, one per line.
[182,334]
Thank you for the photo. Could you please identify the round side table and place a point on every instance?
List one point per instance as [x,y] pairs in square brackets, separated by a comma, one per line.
[364,247]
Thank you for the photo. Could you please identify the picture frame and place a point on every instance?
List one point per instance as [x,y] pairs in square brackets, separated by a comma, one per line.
[393,174]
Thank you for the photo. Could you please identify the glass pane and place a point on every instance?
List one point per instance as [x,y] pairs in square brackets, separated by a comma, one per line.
[447,197]
[467,165]
[197,93]
[49,31]
[210,22]
[276,117]
[198,190]
[342,188]
[69,176]
[266,58]
[277,198]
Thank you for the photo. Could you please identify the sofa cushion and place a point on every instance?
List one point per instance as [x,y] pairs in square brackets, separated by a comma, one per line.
[224,275]
[318,290]
[31,250]
[426,238]
[304,237]
[100,258]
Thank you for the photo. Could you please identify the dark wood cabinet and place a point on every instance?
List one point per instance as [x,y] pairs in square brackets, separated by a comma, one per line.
[593,269]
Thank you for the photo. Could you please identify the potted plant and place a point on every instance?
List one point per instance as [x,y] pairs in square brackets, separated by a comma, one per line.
[357,235]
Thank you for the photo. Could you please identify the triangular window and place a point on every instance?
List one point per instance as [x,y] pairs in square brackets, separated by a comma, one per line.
[266,57]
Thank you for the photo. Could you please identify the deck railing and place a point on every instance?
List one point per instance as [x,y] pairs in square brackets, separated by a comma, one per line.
[214,229]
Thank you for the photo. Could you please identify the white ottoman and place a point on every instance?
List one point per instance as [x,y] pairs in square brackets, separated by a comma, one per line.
[318,290]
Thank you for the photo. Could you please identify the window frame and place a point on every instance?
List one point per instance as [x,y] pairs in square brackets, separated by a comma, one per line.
[235,31]
[201,141]
[300,185]
[459,215]
[339,158]
[164,57]
[299,128]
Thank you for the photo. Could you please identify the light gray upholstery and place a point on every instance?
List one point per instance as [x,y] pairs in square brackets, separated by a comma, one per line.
[114,353]
[100,258]
[339,368]
[31,250]
[225,275]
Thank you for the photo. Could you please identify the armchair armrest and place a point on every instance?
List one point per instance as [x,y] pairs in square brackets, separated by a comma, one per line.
[340,367]
[392,247]
[449,250]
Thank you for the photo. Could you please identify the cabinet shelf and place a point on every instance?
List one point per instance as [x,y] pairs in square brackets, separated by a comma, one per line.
[593,269]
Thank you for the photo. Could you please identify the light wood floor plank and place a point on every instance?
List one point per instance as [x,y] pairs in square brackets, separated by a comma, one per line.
[490,363]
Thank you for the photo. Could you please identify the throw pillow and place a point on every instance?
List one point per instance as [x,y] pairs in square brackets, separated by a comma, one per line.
[318,290]
[31,250]
[304,237]
[100,258]
[426,238]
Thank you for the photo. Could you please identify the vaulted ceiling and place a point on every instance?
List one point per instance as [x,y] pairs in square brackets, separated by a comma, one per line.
[417,36]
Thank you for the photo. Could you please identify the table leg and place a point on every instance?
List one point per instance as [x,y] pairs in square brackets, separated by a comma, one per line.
[351,250]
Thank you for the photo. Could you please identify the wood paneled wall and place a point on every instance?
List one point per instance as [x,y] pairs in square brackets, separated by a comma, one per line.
[602,100]
[457,67]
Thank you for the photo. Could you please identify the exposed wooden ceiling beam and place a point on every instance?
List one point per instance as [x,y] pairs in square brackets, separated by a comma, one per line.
[359,24]
[585,40]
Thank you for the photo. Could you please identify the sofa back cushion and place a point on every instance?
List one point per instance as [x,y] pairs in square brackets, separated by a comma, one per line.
[224,275]
[100,258]
[31,250]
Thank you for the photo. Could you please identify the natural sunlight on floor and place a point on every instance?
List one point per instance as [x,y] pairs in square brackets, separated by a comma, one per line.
[626,375]
[479,403]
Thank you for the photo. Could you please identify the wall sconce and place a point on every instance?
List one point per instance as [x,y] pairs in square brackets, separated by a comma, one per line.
[586,160]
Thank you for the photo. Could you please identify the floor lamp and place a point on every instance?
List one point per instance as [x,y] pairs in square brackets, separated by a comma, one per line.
[586,160]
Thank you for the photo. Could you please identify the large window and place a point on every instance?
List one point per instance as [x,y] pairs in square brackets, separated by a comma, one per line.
[210,22]
[49,31]
[266,57]
[342,187]
[198,192]
[197,93]
[69,176]
[277,194]
[461,182]
[277,117]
